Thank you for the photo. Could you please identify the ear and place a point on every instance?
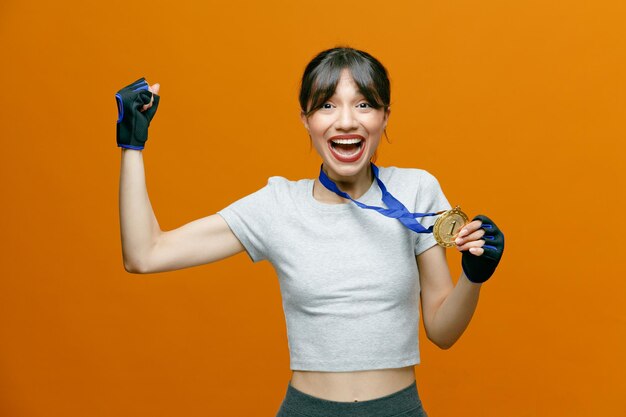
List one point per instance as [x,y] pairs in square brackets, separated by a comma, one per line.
[304,119]
[386,117]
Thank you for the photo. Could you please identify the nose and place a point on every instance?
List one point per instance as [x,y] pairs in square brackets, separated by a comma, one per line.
[346,119]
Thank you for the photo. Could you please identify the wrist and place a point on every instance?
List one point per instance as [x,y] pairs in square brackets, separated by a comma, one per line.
[130,147]
[469,282]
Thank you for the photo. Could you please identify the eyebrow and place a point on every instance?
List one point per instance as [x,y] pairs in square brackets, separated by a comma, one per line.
[359,95]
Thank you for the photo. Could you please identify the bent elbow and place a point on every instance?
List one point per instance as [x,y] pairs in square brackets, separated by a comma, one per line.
[134,268]
[442,343]
[445,345]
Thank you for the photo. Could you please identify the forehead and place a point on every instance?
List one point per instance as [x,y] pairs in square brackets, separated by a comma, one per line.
[346,83]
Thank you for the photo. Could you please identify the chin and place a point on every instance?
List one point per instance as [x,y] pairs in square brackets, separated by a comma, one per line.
[343,169]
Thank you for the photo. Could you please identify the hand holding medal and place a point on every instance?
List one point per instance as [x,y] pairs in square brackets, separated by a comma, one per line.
[482,245]
[481,242]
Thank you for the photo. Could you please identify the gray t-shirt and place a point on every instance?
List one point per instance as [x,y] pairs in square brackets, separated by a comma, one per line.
[348,276]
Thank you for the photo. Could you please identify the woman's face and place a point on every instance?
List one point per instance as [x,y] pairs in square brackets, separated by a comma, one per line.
[346,130]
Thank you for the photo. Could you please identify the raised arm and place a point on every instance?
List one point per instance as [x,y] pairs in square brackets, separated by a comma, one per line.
[148,249]
[145,247]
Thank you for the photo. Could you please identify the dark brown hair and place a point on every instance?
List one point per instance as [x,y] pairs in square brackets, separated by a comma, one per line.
[322,75]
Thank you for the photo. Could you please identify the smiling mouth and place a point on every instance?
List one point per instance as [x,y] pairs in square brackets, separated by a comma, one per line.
[347,148]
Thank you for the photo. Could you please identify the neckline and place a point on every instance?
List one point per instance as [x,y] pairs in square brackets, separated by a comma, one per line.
[340,206]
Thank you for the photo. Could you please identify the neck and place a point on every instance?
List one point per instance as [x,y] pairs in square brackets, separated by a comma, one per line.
[355,185]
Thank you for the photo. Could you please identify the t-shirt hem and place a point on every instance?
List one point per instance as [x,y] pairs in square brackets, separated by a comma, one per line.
[356,365]
[233,224]
[428,243]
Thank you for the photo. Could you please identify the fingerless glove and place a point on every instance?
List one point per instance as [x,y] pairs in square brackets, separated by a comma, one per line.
[478,269]
[132,123]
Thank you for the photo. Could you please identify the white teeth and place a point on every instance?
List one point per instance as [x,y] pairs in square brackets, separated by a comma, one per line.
[346,141]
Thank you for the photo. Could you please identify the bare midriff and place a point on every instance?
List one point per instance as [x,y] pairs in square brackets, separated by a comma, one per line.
[353,386]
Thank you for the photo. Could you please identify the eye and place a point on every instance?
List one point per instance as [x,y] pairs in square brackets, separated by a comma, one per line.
[327,106]
[364,105]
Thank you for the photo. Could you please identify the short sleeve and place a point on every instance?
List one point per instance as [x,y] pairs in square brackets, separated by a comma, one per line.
[430,198]
[250,218]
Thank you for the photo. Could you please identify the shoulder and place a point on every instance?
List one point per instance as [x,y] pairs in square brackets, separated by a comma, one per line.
[278,184]
[281,189]
[420,178]
[277,194]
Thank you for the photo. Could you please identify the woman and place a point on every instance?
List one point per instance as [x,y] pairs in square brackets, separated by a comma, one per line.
[350,276]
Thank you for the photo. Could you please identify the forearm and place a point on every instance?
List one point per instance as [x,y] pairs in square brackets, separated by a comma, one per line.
[138,224]
[454,314]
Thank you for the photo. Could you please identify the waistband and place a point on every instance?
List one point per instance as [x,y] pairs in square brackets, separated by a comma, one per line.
[395,403]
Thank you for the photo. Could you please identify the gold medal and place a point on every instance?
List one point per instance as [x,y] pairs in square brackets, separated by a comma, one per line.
[448,225]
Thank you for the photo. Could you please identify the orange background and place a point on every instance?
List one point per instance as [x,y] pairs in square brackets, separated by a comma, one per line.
[516,107]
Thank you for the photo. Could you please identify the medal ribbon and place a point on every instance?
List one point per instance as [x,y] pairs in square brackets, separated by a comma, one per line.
[396,209]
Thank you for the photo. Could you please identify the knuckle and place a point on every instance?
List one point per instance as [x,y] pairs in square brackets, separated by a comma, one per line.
[476,243]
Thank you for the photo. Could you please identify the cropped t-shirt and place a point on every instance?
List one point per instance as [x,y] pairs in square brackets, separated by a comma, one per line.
[348,276]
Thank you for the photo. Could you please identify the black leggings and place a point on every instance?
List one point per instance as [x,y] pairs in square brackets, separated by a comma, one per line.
[403,403]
